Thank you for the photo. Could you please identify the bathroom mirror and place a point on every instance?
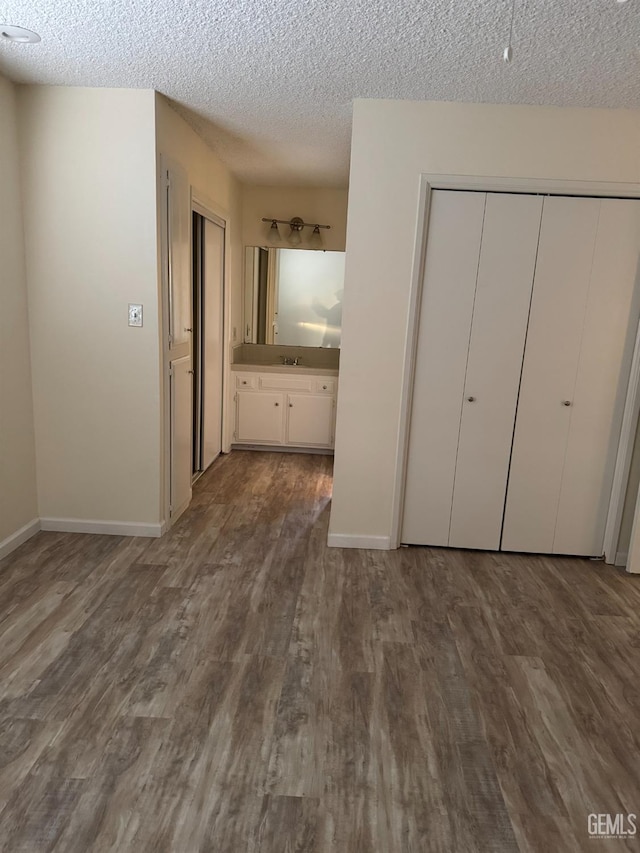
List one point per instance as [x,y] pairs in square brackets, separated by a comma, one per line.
[293,297]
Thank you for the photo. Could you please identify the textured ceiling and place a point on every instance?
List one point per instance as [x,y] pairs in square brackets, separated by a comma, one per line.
[269,84]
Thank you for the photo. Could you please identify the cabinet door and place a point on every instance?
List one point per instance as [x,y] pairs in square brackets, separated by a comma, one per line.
[178,218]
[451,265]
[260,417]
[499,326]
[181,397]
[556,325]
[310,420]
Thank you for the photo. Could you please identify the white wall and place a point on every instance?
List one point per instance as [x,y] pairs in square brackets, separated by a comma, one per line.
[18,499]
[89,190]
[393,143]
[324,205]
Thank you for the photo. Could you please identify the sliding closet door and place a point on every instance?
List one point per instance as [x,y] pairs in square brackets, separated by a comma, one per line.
[573,378]
[212,343]
[500,315]
[451,266]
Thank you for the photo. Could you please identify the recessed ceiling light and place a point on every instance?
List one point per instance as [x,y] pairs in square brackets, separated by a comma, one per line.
[18,34]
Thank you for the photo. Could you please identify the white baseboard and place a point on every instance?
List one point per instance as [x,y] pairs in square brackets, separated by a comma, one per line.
[19,537]
[343,540]
[111,528]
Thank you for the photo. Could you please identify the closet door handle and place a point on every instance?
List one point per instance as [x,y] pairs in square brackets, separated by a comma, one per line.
[471,399]
[566,402]
[276,404]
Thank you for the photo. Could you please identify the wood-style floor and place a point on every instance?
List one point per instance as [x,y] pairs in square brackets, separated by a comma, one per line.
[237,686]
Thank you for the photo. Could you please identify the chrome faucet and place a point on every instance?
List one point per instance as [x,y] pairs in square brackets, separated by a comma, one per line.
[291,361]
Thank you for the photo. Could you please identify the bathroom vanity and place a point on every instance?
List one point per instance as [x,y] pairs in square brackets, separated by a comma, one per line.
[284,406]
[284,377]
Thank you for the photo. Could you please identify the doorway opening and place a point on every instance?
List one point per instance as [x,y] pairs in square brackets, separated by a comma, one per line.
[208,237]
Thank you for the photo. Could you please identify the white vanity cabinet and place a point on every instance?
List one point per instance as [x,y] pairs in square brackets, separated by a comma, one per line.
[287,409]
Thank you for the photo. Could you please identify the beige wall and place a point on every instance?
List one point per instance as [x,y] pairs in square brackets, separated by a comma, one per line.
[326,206]
[393,143]
[18,499]
[89,190]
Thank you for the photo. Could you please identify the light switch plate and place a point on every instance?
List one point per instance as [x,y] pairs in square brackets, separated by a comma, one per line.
[135,315]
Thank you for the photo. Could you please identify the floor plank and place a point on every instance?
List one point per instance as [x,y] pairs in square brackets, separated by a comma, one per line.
[238,686]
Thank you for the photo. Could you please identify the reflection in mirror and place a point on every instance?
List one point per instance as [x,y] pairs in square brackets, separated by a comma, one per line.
[293,297]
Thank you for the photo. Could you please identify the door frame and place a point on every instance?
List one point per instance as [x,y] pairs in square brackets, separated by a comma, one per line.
[220,216]
[200,203]
[204,210]
[623,464]
[426,184]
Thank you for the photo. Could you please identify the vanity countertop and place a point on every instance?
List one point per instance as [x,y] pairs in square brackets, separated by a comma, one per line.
[284,368]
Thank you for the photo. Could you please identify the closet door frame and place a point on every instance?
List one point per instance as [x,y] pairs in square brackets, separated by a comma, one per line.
[200,204]
[427,183]
[630,416]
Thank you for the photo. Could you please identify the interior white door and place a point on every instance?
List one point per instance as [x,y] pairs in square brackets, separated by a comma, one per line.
[609,329]
[552,353]
[446,309]
[494,365]
[212,344]
[181,392]
[179,246]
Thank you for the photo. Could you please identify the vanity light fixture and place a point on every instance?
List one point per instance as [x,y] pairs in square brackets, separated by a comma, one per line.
[19,35]
[296,227]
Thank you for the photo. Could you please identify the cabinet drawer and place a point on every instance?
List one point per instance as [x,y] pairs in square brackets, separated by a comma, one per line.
[246,381]
[285,383]
[325,386]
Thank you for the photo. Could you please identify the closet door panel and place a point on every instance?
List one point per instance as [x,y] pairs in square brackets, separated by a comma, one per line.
[603,368]
[500,315]
[451,265]
[213,344]
[560,290]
